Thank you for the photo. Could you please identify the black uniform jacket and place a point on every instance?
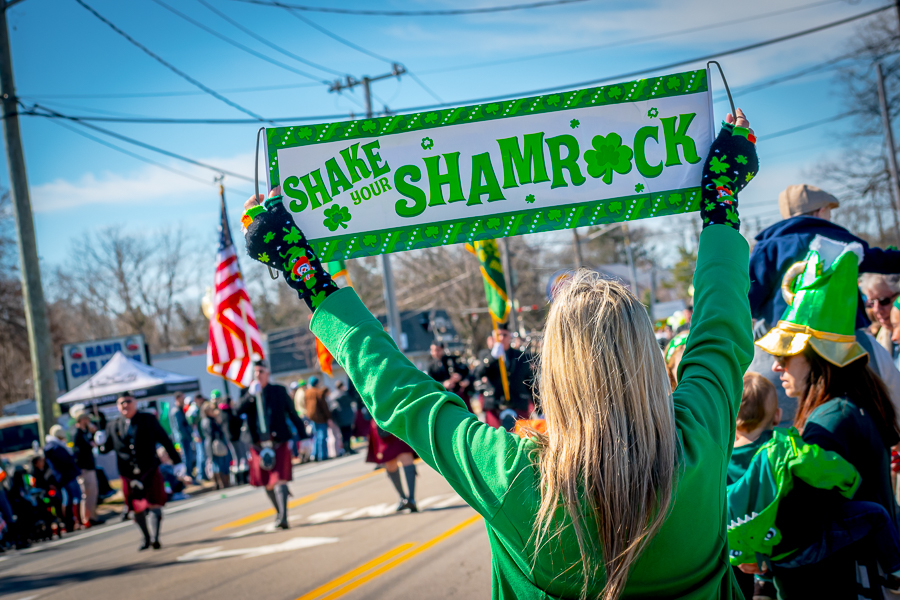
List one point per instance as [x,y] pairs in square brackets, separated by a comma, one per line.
[520,375]
[135,444]
[278,408]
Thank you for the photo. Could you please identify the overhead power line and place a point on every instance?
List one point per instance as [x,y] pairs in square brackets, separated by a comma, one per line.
[359,48]
[34,109]
[267,42]
[777,134]
[681,63]
[127,152]
[415,13]
[237,44]
[619,77]
[49,113]
[336,37]
[627,41]
[261,88]
[170,66]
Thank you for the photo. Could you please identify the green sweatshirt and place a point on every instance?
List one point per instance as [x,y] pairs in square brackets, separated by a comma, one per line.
[495,471]
[742,455]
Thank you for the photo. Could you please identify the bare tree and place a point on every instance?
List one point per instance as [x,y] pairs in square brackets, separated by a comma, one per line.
[133,282]
[860,176]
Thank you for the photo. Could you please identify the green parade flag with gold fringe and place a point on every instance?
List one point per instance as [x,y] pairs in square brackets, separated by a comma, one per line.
[488,256]
[492,271]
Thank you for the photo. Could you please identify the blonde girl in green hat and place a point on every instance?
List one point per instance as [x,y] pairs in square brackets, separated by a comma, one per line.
[624,495]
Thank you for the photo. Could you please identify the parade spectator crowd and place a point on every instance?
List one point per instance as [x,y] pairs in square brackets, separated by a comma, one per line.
[59,490]
[818,408]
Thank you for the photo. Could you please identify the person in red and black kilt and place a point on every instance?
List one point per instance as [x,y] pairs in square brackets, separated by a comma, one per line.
[391,452]
[134,436]
[271,402]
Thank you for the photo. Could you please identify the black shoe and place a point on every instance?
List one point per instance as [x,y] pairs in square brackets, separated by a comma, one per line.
[411,505]
[144,545]
[125,516]
[156,545]
[283,525]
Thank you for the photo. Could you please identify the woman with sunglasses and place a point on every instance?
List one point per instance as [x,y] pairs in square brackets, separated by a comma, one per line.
[880,291]
[843,406]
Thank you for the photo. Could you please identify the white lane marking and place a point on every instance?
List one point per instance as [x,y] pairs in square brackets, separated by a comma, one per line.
[199,502]
[426,502]
[4,558]
[328,515]
[267,528]
[331,463]
[449,501]
[376,510]
[297,543]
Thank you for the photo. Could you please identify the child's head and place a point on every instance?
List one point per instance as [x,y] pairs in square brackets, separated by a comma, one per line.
[759,404]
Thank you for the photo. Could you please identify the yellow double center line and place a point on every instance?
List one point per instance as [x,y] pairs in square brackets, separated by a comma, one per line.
[380,565]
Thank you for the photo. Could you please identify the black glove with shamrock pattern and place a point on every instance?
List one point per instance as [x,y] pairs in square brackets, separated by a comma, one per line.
[730,166]
[274,240]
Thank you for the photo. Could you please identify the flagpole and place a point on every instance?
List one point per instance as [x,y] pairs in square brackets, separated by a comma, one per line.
[503,376]
[247,339]
[247,335]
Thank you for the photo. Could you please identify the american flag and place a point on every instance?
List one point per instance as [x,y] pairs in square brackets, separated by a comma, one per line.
[233,326]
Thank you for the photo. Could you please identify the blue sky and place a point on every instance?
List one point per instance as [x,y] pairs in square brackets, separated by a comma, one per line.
[67,60]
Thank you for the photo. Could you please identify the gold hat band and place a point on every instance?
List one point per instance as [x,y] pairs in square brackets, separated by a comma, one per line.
[822,335]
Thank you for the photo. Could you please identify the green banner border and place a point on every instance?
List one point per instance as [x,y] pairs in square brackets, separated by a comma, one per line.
[552,218]
[664,86]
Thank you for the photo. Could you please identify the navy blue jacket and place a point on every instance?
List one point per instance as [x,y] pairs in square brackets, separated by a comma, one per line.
[786,242]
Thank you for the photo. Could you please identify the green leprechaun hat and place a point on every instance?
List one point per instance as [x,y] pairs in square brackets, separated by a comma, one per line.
[822,301]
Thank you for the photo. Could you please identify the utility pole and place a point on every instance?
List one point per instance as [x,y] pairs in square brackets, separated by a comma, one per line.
[387,275]
[507,278]
[892,152]
[628,251]
[39,344]
[576,241]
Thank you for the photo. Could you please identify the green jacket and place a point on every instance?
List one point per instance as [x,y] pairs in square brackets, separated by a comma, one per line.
[495,471]
[753,499]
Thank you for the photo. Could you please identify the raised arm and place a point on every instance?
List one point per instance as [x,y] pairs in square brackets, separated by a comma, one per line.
[720,344]
[477,460]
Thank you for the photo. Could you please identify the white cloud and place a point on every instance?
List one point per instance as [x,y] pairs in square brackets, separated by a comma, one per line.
[148,184]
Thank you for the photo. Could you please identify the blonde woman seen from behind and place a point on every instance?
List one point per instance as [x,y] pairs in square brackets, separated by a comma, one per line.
[624,495]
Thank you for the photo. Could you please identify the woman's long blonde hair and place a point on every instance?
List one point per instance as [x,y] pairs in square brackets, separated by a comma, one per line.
[609,454]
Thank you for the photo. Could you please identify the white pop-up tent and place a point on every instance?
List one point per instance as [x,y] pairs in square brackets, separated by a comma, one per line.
[122,374]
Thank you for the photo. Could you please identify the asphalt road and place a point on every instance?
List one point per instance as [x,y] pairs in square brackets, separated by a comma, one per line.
[345,541]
